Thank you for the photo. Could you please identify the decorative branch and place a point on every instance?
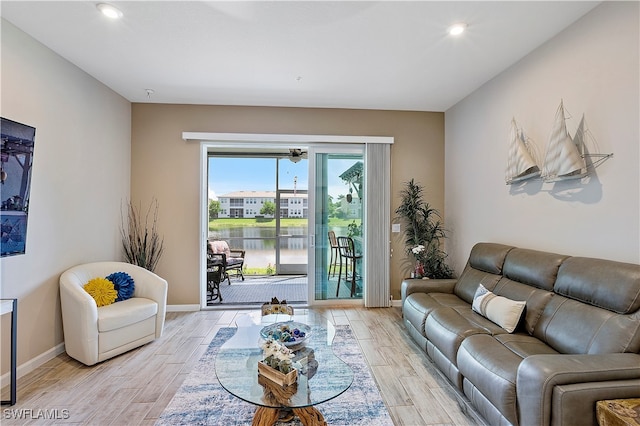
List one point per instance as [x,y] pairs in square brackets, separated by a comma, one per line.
[142,244]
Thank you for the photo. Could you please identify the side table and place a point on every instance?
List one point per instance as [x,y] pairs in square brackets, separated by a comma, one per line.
[618,412]
[11,306]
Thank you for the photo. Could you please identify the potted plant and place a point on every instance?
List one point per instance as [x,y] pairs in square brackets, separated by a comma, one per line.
[423,233]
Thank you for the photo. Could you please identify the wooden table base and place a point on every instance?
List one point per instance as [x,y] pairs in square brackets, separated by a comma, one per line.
[276,394]
[309,416]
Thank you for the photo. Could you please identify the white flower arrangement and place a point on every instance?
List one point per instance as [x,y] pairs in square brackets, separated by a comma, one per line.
[277,356]
[418,249]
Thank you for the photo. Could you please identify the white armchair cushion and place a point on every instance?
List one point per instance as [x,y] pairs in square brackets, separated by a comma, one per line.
[127,312]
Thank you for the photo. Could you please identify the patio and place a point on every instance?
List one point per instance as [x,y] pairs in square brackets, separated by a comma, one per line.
[255,290]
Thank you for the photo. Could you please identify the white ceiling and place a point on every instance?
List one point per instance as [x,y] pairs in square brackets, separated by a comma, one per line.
[373,55]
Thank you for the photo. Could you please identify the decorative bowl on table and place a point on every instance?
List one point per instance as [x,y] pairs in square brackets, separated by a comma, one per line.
[289,333]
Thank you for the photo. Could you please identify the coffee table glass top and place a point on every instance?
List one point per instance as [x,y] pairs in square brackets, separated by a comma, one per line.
[322,377]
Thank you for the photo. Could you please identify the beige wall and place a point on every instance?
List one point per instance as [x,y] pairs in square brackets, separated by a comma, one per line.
[167,168]
[80,176]
[594,66]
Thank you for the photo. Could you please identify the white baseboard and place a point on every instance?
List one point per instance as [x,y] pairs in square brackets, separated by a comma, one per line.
[32,364]
[183,308]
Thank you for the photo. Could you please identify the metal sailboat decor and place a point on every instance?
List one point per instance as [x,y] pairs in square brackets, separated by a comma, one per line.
[522,161]
[567,158]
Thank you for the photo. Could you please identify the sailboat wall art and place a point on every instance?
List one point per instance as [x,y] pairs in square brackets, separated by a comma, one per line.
[566,157]
[522,159]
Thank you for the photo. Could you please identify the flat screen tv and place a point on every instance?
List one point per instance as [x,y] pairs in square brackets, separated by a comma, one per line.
[16,161]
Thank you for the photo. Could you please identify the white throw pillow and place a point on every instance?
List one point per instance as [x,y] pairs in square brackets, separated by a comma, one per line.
[500,310]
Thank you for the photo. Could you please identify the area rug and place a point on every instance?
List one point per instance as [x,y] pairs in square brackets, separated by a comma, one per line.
[202,401]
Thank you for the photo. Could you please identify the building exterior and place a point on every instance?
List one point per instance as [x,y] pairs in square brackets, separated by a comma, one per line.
[249,203]
[352,209]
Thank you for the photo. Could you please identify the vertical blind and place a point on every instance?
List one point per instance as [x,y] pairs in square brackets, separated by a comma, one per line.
[377,288]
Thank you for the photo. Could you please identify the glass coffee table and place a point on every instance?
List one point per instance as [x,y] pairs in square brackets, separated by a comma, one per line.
[323,375]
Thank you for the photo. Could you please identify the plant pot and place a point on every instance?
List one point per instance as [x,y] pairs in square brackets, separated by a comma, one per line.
[277,376]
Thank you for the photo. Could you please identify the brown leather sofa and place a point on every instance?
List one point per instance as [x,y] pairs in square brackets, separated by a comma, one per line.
[578,340]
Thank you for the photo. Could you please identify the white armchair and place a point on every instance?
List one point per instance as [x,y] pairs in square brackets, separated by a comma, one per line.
[93,334]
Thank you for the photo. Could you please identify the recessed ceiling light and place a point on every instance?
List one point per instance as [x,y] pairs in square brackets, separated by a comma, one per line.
[109,11]
[457,29]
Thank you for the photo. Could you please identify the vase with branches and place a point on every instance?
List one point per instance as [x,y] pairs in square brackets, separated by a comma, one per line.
[423,233]
[141,242]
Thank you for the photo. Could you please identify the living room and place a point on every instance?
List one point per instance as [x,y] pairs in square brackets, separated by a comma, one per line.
[94,149]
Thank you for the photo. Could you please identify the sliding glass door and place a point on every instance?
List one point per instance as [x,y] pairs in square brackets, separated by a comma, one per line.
[342,197]
[336,175]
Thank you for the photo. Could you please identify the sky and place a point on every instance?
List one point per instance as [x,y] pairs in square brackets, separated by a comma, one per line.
[258,174]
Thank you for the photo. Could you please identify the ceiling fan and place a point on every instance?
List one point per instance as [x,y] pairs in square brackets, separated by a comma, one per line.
[297,154]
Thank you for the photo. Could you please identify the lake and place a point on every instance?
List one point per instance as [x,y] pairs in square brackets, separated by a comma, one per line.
[259,243]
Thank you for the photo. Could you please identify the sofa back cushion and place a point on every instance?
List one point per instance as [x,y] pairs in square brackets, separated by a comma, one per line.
[596,308]
[531,267]
[574,327]
[489,257]
[614,286]
[484,266]
[536,300]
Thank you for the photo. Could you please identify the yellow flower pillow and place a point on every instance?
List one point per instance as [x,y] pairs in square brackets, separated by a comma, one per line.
[102,290]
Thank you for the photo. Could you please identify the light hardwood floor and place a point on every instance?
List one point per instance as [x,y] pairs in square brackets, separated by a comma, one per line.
[134,388]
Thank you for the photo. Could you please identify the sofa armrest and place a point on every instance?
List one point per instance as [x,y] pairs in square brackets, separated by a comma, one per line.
[539,374]
[153,287]
[426,286]
[79,318]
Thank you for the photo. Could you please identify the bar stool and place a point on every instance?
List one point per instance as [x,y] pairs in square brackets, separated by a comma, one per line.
[348,252]
[335,254]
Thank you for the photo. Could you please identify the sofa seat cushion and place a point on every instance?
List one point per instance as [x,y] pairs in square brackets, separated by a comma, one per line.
[125,313]
[447,327]
[490,364]
[418,306]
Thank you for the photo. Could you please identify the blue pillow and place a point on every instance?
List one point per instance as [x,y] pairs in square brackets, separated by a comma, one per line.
[124,285]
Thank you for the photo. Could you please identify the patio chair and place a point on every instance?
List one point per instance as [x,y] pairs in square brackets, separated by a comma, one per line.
[214,277]
[231,260]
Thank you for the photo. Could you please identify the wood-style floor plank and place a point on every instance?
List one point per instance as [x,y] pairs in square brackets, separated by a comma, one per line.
[135,388]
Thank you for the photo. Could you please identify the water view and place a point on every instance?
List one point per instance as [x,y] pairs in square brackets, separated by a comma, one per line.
[259,241]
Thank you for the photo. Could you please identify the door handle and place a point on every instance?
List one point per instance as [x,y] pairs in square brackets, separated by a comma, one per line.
[312,240]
